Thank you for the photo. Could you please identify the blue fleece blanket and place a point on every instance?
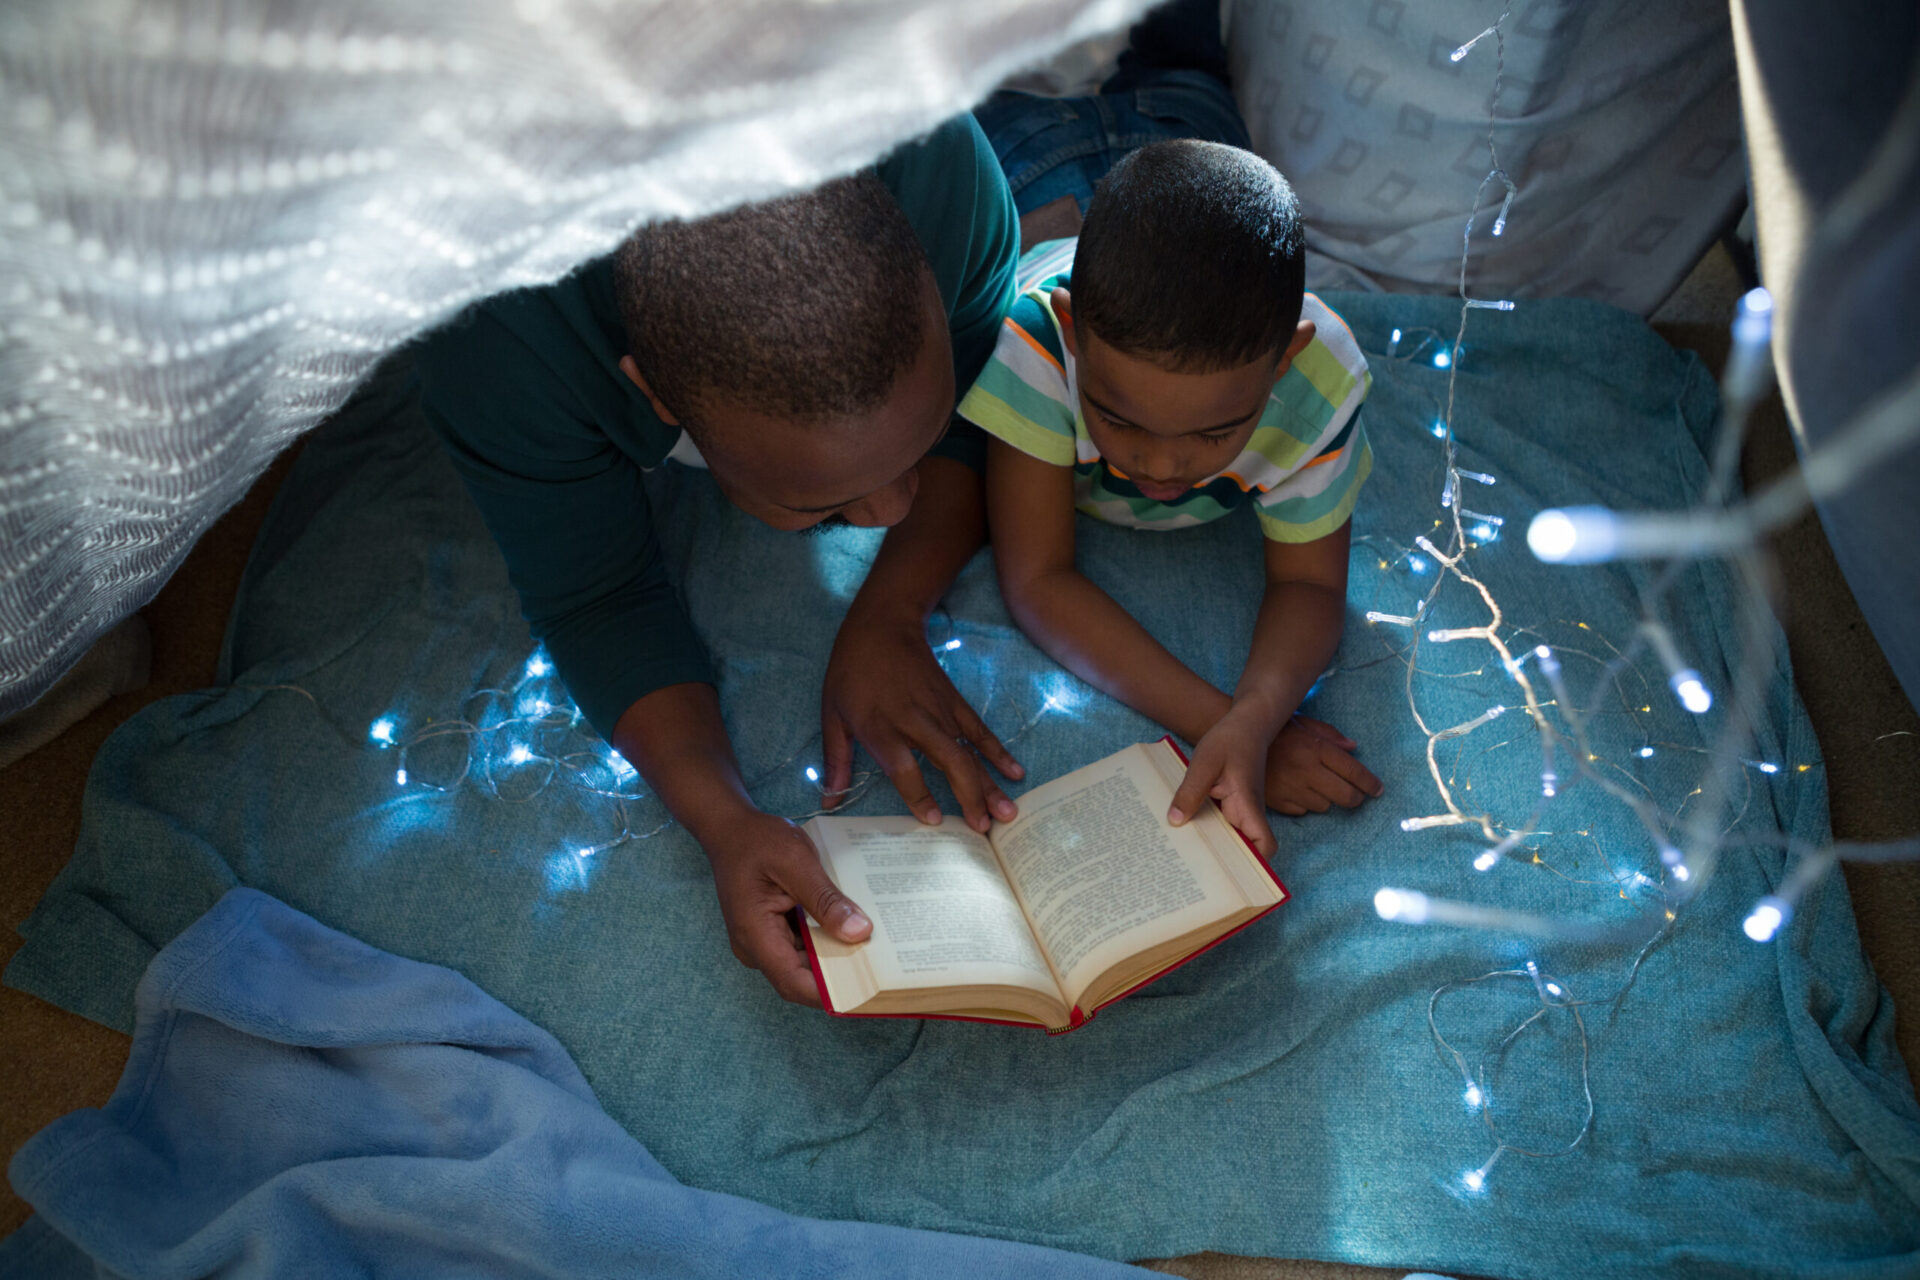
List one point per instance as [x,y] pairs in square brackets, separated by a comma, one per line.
[298,1103]
[1280,1096]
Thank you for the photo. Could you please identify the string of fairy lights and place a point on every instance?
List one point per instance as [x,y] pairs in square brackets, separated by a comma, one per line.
[1687,844]
[519,742]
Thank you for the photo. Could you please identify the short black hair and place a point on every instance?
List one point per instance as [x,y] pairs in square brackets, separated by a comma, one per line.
[1192,255]
[805,306]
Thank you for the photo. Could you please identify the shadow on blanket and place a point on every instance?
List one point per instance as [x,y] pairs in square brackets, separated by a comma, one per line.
[1281,1096]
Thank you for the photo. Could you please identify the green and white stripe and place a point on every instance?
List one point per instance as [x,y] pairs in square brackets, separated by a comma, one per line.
[1301,469]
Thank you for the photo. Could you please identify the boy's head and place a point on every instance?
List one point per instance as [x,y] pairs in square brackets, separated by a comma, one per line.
[1185,307]
[801,342]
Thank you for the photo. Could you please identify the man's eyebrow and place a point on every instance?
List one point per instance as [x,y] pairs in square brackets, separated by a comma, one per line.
[1125,421]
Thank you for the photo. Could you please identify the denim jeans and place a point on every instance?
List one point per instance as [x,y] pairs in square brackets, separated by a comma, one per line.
[1052,147]
[1171,82]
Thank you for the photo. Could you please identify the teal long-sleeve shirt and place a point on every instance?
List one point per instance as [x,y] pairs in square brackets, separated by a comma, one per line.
[552,438]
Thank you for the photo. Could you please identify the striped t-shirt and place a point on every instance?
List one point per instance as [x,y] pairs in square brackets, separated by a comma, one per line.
[1302,468]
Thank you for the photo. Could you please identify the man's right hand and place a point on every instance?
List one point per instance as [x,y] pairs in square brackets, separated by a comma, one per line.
[763,867]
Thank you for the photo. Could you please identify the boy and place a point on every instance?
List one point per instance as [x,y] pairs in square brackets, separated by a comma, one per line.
[1162,370]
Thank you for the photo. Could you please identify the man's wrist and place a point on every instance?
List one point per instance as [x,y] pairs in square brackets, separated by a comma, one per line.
[675,737]
[713,821]
[891,606]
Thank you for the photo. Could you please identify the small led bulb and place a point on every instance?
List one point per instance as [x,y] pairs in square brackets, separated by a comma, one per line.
[1766,919]
[1692,692]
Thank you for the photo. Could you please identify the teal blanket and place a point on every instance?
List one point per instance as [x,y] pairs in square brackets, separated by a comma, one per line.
[1283,1094]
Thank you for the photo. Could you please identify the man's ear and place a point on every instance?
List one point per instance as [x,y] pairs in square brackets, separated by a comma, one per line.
[632,370]
[1302,335]
[1063,311]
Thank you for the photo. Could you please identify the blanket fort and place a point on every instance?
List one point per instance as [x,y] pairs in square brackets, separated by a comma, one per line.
[1295,1065]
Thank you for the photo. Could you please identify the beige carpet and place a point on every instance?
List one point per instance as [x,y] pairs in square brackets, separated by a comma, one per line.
[53,1062]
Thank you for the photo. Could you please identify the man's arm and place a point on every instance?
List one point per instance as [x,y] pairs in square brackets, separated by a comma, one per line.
[570,514]
[763,866]
[884,687]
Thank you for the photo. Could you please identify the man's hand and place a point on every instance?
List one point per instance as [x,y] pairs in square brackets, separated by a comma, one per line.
[1310,768]
[763,867]
[885,689]
[1230,764]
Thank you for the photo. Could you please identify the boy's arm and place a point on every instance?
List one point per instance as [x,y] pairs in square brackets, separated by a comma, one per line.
[1030,514]
[1301,616]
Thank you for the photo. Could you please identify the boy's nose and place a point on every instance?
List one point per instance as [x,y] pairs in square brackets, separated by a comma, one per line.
[1159,466]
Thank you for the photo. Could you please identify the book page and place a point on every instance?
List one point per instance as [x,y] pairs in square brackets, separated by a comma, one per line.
[1101,873]
[941,909]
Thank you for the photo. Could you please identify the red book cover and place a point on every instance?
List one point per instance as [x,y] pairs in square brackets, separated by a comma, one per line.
[1079,1017]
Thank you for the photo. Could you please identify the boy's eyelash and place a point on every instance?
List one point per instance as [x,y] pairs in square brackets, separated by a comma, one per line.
[1211,437]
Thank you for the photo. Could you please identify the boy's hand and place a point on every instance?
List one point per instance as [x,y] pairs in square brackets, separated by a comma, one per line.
[885,689]
[1230,764]
[1310,768]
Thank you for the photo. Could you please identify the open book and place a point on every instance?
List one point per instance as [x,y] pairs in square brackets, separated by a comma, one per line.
[1088,895]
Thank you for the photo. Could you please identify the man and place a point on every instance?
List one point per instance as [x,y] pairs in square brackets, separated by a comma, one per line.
[809,351]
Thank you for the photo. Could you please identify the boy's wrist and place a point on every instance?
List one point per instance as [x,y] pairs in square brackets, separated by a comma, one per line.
[1270,708]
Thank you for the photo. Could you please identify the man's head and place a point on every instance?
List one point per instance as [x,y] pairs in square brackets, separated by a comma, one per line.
[802,343]
[1185,307]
